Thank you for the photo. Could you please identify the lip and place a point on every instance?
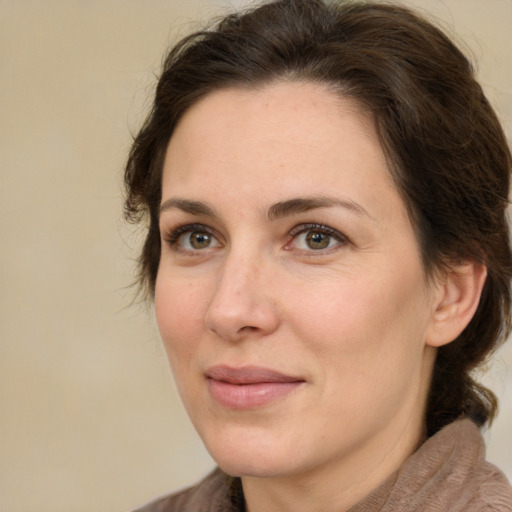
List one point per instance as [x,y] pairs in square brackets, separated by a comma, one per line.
[249,387]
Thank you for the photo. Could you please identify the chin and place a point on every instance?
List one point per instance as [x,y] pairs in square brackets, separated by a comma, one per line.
[257,466]
[246,452]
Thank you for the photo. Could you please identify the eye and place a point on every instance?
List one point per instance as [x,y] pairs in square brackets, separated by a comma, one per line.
[315,237]
[196,240]
[191,238]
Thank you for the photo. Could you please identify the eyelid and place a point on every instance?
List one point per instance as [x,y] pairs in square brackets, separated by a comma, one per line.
[309,226]
[316,226]
[173,235]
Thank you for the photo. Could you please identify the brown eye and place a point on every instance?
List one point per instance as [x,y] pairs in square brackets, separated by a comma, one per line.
[192,238]
[199,240]
[317,240]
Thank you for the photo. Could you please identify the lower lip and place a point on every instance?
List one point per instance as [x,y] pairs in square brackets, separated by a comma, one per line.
[249,396]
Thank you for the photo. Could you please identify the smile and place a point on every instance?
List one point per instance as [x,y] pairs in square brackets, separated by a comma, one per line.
[249,387]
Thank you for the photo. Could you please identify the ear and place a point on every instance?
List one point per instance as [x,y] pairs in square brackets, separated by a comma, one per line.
[458,297]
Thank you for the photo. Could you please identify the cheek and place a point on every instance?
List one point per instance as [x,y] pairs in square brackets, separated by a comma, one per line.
[179,314]
[367,337]
[362,319]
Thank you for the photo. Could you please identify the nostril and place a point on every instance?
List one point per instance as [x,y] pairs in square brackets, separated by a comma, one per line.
[249,328]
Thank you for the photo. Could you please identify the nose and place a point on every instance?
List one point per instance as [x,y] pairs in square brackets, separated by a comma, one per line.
[242,304]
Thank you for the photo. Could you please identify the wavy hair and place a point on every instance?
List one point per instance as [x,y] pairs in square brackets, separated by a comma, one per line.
[446,148]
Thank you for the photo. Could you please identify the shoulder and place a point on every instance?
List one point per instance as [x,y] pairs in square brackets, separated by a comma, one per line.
[217,492]
[458,474]
[447,473]
[473,482]
[492,492]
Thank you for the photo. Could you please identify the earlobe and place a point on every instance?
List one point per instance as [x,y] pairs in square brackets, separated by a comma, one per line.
[457,301]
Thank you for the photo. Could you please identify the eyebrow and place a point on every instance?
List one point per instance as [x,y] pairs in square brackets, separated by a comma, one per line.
[188,206]
[276,211]
[304,204]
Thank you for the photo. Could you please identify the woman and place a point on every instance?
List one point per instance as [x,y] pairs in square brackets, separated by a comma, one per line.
[329,260]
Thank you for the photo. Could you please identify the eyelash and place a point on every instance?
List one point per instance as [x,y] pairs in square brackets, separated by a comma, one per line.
[174,235]
[322,229]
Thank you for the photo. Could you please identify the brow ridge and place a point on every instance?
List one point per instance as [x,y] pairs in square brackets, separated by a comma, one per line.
[188,206]
[278,210]
[304,204]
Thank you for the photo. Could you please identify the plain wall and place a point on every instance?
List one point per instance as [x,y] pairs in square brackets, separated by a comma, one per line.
[90,419]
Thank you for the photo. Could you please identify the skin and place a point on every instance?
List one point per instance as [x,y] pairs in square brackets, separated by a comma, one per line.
[357,321]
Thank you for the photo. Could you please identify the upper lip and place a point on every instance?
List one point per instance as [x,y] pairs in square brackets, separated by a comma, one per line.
[248,375]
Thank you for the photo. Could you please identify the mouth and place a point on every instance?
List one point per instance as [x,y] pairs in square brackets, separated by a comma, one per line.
[249,387]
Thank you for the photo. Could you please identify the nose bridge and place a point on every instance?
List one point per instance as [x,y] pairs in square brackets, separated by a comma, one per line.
[237,279]
[241,302]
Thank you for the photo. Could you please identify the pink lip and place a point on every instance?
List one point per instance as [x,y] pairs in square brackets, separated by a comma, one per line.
[249,386]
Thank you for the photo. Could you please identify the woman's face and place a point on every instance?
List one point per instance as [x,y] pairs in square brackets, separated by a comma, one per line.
[290,295]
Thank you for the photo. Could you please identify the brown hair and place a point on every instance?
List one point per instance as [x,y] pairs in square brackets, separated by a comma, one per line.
[446,148]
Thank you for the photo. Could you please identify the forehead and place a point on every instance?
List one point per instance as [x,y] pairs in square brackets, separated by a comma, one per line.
[278,142]
[281,123]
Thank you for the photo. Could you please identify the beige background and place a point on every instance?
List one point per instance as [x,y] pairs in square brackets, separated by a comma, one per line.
[89,417]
